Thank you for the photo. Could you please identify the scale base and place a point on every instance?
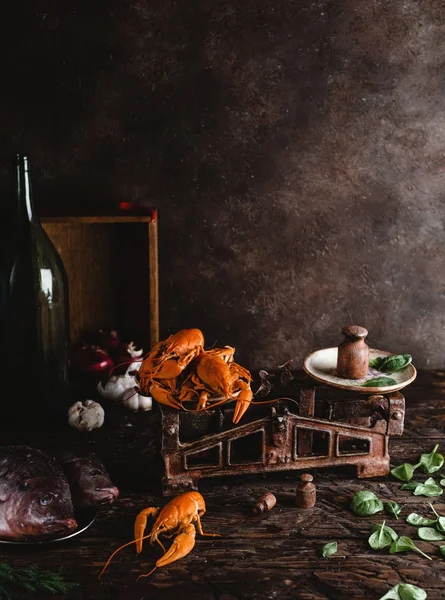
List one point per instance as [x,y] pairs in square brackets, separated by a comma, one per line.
[294,433]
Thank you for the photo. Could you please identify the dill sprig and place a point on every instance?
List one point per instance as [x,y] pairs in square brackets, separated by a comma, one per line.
[22,583]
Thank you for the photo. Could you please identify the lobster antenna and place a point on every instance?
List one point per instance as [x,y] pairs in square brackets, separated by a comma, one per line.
[120,548]
[146,574]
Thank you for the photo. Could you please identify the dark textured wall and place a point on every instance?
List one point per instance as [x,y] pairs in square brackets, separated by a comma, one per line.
[295,149]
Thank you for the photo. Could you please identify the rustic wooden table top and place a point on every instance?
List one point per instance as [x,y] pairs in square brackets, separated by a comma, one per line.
[271,555]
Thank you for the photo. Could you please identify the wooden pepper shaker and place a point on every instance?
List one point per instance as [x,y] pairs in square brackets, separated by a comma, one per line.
[353,353]
[306,493]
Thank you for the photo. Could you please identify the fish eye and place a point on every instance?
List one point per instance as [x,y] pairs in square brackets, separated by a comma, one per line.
[47,499]
[95,473]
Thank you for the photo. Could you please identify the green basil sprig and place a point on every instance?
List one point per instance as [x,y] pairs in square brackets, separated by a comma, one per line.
[403,544]
[379,382]
[429,534]
[405,591]
[432,462]
[404,472]
[365,503]
[393,508]
[419,521]
[382,536]
[428,488]
[391,364]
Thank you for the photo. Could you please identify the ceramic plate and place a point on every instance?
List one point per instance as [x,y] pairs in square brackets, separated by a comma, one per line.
[84,518]
[322,366]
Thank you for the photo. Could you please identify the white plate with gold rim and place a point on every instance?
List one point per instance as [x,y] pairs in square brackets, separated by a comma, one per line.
[322,366]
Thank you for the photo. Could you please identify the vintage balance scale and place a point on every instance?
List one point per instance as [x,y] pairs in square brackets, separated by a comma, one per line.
[319,420]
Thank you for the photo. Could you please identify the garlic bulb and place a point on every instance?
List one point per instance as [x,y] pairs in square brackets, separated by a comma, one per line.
[134,401]
[116,386]
[87,416]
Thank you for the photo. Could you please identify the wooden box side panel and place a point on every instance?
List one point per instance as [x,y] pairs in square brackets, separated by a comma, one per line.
[108,275]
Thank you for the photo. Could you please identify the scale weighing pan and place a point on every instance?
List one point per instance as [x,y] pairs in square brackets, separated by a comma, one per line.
[322,366]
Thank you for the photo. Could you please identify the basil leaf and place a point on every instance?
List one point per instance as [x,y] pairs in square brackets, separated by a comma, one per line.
[389,530]
[365,503]
[393,508]
[409,486]
[403,544]
[405,591]
[442,550]
[440,525]
[379,382]
[380,539]
[428,488]
[329,549]
[404,472]
[419,521]
[442,482]
[395,363]
[432,462]
[429,534]
[377,362]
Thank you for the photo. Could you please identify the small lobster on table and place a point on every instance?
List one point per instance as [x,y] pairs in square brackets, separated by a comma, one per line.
[177,517]
[178,371]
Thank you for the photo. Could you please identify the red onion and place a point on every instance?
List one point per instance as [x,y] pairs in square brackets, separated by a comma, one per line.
[90,360]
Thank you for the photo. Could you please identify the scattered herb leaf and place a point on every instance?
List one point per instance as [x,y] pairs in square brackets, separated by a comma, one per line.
[393,508]
[409,486]
[442,482]
[419,521]
[329,549]
[442,550]
[389,530]
[405,591]
[404,544]
[379,382]
[395,363]
[428,488]
[404,472]
[365,503]
[377,362]
[380,538]
[429,534]
[19,583]
[432,462]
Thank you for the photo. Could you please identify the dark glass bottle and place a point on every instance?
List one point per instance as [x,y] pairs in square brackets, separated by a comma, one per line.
[34,317]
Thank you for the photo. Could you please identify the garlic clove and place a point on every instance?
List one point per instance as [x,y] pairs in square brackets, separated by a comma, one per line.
[116,386]
[136,402]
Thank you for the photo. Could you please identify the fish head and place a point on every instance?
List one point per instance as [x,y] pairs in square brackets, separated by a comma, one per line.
[41,506]
[89,482]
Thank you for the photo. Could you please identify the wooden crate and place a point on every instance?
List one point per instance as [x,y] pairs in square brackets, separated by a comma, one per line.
[112,268]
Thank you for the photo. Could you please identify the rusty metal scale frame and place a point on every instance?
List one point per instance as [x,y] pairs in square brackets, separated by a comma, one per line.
[287,438]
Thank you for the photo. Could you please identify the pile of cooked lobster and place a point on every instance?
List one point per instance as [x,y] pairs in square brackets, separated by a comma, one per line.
[179,373]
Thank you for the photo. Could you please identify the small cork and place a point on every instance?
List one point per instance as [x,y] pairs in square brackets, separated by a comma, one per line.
[306,493]
[265,503]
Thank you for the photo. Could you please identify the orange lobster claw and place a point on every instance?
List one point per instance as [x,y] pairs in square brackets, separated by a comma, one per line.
[182,545]
[163,396]
[243,402]
[141,523]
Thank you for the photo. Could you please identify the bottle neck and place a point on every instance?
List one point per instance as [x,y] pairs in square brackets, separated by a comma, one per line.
[24,193]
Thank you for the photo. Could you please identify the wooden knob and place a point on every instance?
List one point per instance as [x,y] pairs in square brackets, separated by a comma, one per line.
[306,478]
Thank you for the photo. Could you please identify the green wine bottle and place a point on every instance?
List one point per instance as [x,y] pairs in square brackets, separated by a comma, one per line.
[34,315]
